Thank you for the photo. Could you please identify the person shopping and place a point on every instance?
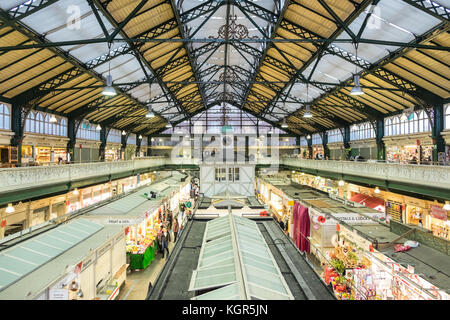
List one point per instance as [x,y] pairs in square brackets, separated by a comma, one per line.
[175,229]
[165,238]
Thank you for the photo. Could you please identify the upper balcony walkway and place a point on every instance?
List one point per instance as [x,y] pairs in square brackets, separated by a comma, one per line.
[27,182]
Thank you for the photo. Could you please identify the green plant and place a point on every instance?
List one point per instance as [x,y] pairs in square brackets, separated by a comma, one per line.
[338,265]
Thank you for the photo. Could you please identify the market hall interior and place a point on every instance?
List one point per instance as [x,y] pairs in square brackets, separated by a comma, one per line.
[224,150]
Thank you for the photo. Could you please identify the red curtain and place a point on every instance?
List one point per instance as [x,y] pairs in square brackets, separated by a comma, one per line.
[300,227]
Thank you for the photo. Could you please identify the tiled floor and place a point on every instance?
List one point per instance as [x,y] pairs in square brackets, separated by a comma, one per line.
[136,284]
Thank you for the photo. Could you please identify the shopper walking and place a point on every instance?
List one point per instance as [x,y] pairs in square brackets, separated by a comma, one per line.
[175,229]
[165,238]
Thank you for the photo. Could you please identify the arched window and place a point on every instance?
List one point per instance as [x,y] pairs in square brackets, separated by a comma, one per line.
[5,117]
[447,117]
[40,123]
[388,127]
[63,130]
[396,126]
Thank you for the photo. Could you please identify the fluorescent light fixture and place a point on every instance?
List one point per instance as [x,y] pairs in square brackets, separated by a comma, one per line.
[109,90]
[53,119]
[357,90]
[10,208]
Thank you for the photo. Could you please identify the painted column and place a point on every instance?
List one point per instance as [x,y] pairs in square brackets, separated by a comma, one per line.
[438,127]
[71,133]
[347,142]
[310,149]
[17,126]
[381,147]
[103,140]
[326,151]
[149,146]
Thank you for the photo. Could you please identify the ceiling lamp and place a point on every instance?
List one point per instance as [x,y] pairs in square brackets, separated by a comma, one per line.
[377,190]
[168,125]
[123,132]
[109,90]
[447,206]
[150,113]
[10,208]
[341,183]
[140,136]
[53,119]
[308,137]
[307,113]
[270,131]
[357,90]
[75,191]
[284,124]
[404,117]
[98,127]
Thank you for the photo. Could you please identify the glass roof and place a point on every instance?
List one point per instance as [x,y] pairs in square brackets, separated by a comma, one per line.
[236,261]
[22,259]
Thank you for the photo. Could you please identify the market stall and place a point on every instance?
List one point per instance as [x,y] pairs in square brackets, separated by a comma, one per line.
[141,212]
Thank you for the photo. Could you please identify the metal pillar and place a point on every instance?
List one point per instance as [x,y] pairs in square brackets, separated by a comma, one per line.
[71,133]
[438,127]
[326,151]
[17,126]
[381,147]
[347,142]
[102,143]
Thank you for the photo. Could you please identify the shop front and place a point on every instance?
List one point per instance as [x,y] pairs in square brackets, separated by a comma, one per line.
[141,244]
[337,151]
[439,221]
[412,149]
[37,149]
[367,149]
[417,212]
[112,151]
[318,151]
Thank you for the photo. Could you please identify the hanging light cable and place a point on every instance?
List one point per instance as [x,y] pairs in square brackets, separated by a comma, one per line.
[150,113]
[307,113]
[109,90]
[357,90]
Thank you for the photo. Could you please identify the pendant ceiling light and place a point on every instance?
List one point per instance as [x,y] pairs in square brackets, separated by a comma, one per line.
[123,132]
[168,125]
[75,191]
[377,190]
[307,113]
[140,137]
[284,124]
[109,90]
[357,90]
[341,183]
[53,119]
[98,127]
[308,137]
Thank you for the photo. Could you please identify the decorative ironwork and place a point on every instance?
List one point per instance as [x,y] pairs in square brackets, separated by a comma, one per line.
[234,31]
[229,76]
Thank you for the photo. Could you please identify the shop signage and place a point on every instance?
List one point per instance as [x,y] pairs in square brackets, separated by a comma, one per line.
[58,294]
[438,212]
[355,238]
[355,218]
